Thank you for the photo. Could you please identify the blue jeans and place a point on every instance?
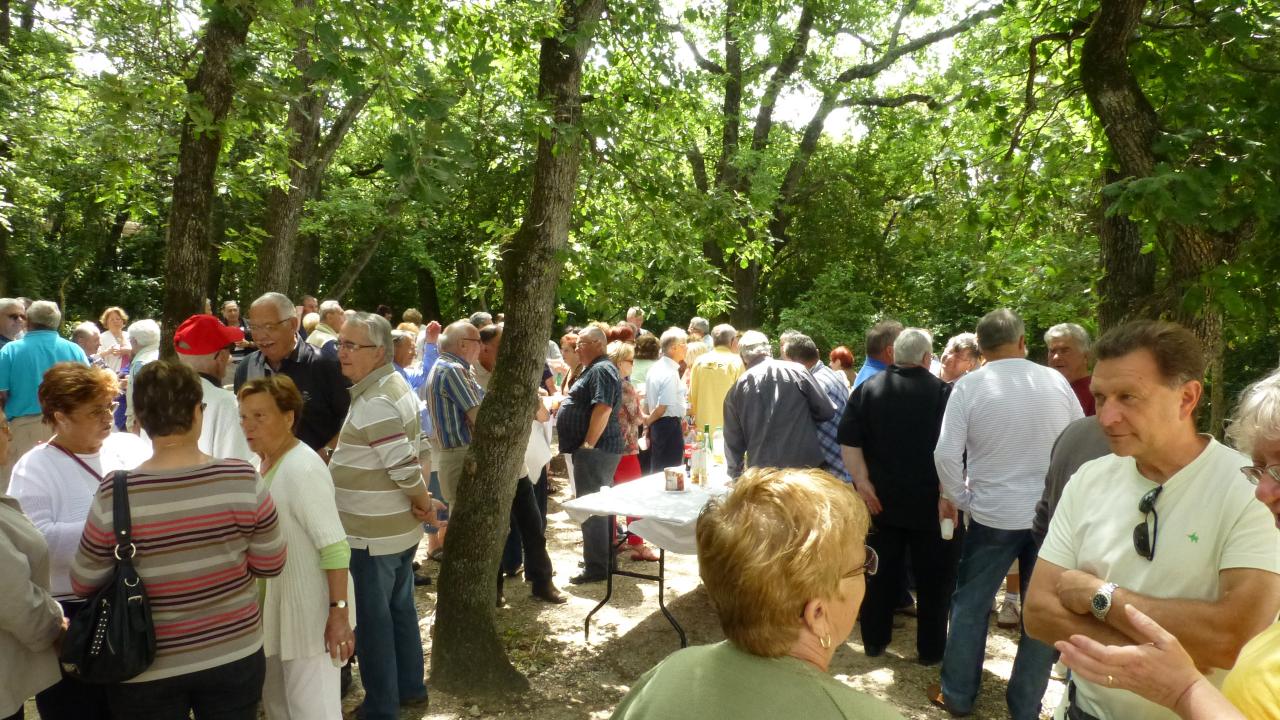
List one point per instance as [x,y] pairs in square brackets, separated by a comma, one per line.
[984,560]
[388,645]
[592,470]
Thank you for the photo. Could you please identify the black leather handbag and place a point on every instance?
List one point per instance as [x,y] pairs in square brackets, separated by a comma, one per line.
[113,639]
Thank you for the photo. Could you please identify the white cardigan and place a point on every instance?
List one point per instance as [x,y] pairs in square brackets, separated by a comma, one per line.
[29,618]
[296,607]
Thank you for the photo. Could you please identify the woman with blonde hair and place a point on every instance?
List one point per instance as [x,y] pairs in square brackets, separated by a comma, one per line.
[784,561]
[114,347]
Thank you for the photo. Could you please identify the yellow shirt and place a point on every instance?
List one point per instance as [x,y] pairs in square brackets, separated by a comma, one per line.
[712,375]
[1254,685]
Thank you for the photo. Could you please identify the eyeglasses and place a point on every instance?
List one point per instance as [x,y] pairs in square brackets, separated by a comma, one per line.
[349,346]
[16,316]
[870,567]
[1255,473]
[1143,542]
[267,327]
[103,412]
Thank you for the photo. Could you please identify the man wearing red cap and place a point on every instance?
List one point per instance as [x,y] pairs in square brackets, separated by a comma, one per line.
[204,344]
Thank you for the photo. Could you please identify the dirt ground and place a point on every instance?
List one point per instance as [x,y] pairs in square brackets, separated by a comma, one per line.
[572,678]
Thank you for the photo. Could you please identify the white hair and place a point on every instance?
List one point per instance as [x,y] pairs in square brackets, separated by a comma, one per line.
[1077,334]
[376,328]
[1257,417]
[910,347]
[44,314]
[671,337]
[283,305]
[327,307]
[84,331]
[753,346]
[144,334]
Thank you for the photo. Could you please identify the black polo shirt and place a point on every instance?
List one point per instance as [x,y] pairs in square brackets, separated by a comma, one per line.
[896,417]
[598,384]
[320,380]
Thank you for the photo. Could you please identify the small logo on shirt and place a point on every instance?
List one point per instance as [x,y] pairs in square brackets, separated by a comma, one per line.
[1193,538]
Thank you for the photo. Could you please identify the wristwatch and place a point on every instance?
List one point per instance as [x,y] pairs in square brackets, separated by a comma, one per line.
[339,604]
[1101,603]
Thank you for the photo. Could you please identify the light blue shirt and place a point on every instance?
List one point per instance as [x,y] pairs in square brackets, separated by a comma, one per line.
[23,364]
[869,370]
[663,387]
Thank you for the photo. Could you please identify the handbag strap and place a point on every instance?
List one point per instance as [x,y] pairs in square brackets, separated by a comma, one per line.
[120,517]
[78,460]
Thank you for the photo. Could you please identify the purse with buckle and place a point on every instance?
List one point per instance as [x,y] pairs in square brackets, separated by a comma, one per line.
[113,638]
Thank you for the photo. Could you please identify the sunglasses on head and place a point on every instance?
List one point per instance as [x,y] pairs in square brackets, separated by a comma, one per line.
[1143,541]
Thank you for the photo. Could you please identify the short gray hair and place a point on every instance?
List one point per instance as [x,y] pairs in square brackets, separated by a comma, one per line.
[226,303]
[6,303]
[1077,334]
[700,324]
[452,335]
[594,333]
[964,342]
[144,334]
[880,336]
[999,327]
[376,328]
[723,334]
[84,331]
[44,315]
[753,346]
[635,311]
[800,348]
[327,307]
[910,346]
[398,335]
[283,305]
[671,337]
[480,319]
[1257,417]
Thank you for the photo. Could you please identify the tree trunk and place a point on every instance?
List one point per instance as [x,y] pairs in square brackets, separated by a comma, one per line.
[1127,285]
[468,656]
[358,263]
[284,205]
[187,248]
[6,152]
[428,296]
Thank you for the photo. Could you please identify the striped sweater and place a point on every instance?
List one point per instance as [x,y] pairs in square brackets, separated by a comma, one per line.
[375,465]
[202,534]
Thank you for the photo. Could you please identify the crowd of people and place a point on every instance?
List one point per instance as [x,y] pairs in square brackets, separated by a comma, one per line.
[284,470]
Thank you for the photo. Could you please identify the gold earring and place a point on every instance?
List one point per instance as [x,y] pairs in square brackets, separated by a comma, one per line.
[825,641]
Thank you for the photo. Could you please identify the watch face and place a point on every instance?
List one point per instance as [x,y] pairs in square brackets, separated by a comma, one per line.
[1101,602]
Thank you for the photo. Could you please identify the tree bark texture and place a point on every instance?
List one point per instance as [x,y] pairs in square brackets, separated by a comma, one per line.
[1132,125]
[360,260]
[1127,285]
[284,205]
[187,247]
[468,656]
[6,152]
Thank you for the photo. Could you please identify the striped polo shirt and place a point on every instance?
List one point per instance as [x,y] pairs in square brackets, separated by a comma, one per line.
[451,391]
[202,534]
[375,465]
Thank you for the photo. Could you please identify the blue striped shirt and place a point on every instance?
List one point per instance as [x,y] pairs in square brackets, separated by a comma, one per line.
[831,385]
[452,390]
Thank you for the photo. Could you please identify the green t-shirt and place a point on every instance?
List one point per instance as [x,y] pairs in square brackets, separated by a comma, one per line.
[721,681]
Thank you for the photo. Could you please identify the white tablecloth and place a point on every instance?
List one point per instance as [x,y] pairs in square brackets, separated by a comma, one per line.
[667,519]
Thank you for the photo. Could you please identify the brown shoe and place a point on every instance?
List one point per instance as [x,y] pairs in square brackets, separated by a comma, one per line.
[935,697]
[547,592]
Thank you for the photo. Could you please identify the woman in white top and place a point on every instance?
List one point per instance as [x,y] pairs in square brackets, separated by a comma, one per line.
[56,482]
[113,346]
[306,618]
[30,621]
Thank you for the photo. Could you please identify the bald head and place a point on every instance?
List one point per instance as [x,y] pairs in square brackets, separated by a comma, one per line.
[592,343]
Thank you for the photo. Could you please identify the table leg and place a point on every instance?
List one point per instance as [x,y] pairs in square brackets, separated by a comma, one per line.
[662,582]
[608,592]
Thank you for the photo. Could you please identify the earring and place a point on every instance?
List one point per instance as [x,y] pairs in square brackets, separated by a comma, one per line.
[825,641]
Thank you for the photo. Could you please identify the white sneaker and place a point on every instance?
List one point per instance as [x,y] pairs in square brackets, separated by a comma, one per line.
[1010,615]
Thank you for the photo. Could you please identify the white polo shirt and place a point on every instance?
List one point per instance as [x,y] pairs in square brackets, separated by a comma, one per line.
[1209,521]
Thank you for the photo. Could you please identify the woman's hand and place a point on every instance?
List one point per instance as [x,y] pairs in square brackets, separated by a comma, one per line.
[1160,670]
[339,641]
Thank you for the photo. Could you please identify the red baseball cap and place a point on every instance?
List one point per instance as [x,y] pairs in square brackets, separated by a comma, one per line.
[204,335]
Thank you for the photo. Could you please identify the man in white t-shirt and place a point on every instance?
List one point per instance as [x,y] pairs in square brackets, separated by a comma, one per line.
[992,455]
[205,345]
[1166,524]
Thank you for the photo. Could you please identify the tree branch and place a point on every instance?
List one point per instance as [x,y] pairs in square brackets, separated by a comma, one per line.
[891,55]
[786,68]
[891,102]
[698,57]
